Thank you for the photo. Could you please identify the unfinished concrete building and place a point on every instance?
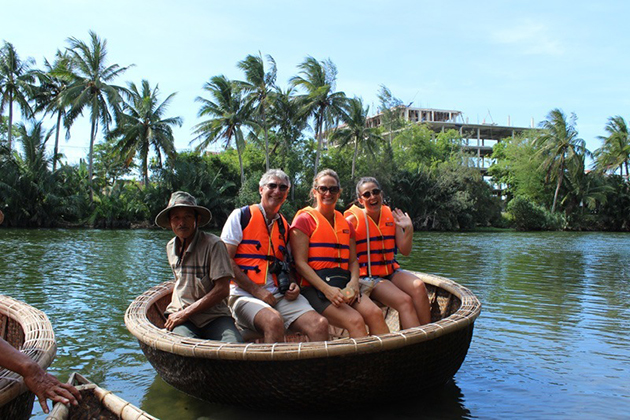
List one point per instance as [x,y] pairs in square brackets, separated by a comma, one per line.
[477,139]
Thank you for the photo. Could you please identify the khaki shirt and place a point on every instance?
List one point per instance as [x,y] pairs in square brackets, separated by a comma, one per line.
[204,261]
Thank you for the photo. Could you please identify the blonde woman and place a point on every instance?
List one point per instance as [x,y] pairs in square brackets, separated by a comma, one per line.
[323,247]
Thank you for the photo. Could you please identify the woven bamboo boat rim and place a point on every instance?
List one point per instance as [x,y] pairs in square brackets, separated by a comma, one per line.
[139,325]
[39,343]
[112,402]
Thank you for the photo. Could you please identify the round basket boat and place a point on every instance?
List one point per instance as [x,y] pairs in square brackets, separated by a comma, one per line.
[312,375]
[28,330]
[96,403]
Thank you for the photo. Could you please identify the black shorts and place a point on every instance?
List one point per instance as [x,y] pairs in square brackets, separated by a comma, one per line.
[319,304]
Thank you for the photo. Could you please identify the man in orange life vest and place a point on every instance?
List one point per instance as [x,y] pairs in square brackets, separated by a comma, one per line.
[263,297]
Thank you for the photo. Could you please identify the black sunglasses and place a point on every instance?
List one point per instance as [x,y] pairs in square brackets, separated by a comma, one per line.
[374,192]
[324,189]
[281,187]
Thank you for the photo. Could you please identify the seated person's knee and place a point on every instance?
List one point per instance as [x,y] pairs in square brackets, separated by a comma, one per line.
[419,288]
[321,325]
[271,321]
[355,321]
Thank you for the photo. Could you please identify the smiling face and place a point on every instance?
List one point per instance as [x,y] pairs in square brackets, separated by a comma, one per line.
[183,222]
[273,194]
[326,191]
[370,197]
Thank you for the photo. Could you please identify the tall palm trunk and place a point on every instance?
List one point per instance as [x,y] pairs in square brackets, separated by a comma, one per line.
[318,135]
[145,171]
[266,138]
[240,162]
[237,140]
[90,159]
[10,119]
[56,149]
[555,195]
[354,157]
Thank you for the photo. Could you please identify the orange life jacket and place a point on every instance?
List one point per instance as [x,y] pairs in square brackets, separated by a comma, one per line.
[259,249]
[329,247]
[382,242]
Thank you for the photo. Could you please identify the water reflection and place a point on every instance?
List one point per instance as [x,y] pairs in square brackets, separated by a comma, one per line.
[165,402]
[552,336]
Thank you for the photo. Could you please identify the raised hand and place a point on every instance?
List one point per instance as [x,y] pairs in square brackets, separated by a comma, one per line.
[402,219]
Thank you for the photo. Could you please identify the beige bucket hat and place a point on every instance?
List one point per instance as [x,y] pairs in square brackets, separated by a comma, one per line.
[182,199]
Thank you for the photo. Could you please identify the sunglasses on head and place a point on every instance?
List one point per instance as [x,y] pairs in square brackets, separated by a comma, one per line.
[281,187]
[374,192]
[324,189]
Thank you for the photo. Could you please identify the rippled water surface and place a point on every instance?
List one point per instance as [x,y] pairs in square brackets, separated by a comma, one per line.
[552,340]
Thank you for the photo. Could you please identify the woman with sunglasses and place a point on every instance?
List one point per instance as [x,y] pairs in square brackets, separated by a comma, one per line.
[323,247]
[388,230]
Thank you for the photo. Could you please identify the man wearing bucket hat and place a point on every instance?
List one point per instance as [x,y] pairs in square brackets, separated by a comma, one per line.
[202,270]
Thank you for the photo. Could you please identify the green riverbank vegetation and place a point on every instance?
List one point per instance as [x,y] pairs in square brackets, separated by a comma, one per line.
[132,165]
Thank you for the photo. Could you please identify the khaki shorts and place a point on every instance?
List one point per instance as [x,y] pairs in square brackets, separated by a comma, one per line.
[245,308]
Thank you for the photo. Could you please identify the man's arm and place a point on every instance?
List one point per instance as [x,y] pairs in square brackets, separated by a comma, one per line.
[245,283]
[42,384]
[220,291]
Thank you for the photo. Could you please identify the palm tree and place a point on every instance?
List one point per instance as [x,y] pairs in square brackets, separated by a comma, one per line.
[142,124]
[391,117]
[34,159]
[227,112]
[258,84]
[615,152]
[355,130]
[89,87]
[584,189]
[16,80]
[320,100]
[50,95]
[558,144]
[32,190]
[286,116]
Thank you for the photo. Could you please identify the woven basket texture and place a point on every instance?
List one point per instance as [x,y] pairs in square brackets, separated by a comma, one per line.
[96,403]
[30,331]
[299,374]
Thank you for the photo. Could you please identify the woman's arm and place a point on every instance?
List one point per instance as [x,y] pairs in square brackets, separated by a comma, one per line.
[353,265]
[299,247]
[404,231]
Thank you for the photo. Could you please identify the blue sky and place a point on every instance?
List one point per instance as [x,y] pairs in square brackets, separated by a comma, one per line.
[491,60]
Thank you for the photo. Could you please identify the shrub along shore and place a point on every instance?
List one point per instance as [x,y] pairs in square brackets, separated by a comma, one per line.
[133,166]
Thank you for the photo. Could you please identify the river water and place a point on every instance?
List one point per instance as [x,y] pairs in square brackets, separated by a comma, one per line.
[552,340]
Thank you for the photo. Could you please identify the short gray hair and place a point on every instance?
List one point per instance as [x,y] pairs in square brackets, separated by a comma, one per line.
[274,173]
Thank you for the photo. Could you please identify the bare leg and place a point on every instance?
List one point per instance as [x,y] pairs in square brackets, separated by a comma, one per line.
[270,323]
[373,316]
[313,325]
[414,287]
[388,294]
[346,317]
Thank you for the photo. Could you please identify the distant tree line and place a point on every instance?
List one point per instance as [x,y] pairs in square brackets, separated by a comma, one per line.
[132,165]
